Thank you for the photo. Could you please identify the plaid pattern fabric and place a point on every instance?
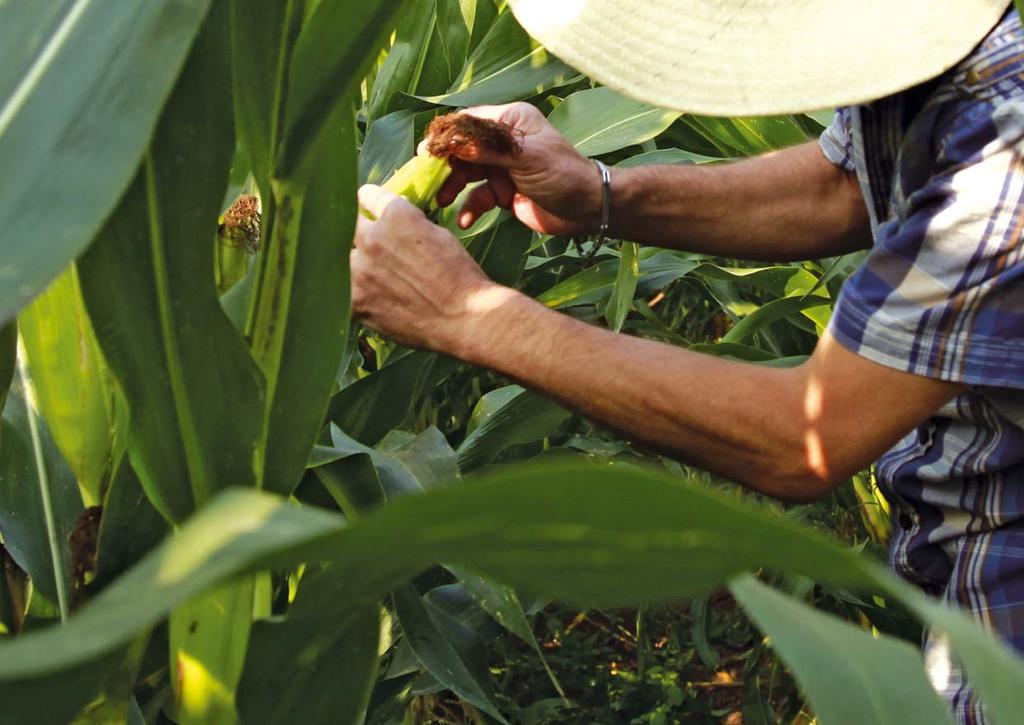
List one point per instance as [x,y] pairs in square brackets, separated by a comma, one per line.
[941,294]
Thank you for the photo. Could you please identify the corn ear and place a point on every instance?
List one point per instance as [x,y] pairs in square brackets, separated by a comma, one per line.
[419,180]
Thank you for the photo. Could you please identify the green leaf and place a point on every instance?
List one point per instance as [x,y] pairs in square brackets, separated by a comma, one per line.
[621,299]
[129,529]
[770,312]
[81,87]
[594,283]
[116,702]
[302,314]
[447,649]
[524,526]
[502,603]
[39,502]
[507,66]
[427,455]
[336,46]
[699,632]
[450,44]
[406,60]
[877,680]
[149,289]
[489,404]
[996,670]
[823,118]
[599,120]
[390,142]
[749,136]
[208,636]
[369,408]
[501,251]
[526,418]
[76,394]
[393,478]
[8,358]
[666,156]
[316,666]
[262,38]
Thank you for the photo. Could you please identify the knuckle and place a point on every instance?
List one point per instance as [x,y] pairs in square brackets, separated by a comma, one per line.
[402,210]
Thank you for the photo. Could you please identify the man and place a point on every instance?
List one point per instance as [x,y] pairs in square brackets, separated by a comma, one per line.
[922,366]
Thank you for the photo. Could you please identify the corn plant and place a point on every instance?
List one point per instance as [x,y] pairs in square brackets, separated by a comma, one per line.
[222,502]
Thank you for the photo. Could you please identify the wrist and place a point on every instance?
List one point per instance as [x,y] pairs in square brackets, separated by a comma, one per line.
[595,201]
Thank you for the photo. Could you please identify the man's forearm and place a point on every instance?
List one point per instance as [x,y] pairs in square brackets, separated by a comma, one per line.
[788,205]
[720,415]
[790,433]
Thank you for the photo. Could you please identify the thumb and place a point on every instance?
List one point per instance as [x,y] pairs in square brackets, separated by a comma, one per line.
[374,200]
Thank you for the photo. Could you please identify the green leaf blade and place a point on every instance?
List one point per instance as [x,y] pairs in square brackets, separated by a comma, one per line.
[78,100]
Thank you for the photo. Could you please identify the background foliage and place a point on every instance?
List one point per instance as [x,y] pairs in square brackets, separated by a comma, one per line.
[221,501]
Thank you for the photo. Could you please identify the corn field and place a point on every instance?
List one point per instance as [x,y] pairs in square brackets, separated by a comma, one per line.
[223,501]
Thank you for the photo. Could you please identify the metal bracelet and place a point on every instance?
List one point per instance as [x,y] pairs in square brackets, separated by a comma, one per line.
[606,206]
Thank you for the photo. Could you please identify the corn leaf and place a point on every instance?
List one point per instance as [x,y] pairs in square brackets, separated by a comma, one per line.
[8,358]
[599,120]
[390,142]
[39,502]
[748,136]
[522,526]
[337,44]
[129,529]
[76,393]
[301,314]
[895,690]
[621,298]
[367,409]
[770,312]
[596,283]
[208,637]
[262,38]
[148,286]
[317,666]
[446,649]
[525,418]
[507,65]
[406,60]
[81,88]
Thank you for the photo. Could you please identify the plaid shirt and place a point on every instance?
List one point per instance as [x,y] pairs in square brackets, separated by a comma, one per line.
[941,294]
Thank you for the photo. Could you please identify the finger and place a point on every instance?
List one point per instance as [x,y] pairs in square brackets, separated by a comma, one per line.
[480,201]
[375,199]
[478,154]
[503,187]
[462,175]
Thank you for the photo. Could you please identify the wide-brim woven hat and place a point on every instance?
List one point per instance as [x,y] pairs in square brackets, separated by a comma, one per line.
[759,57]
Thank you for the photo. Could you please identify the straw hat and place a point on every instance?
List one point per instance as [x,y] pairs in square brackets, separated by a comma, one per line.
[759,57]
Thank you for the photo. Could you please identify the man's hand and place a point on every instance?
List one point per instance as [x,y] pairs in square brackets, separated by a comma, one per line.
[549,185]
[411,280]
[788,205]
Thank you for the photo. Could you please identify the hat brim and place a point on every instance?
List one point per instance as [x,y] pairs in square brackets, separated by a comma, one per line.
[759,57]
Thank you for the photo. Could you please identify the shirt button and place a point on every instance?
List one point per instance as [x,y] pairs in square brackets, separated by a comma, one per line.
[906,523]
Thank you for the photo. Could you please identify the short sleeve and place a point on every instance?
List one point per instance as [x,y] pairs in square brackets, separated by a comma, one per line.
[941,294]
[836,141]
